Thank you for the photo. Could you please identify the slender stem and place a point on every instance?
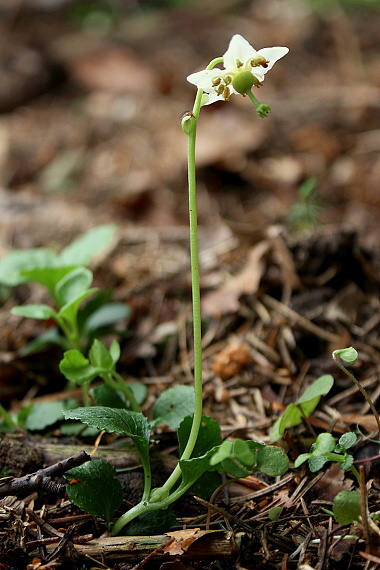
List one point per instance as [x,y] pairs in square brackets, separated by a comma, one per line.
[196,296]
[146,507]
[360,387]
[120,384]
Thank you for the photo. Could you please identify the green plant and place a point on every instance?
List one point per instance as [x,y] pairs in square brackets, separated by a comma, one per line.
[201,450]
[303,215]
[302,408]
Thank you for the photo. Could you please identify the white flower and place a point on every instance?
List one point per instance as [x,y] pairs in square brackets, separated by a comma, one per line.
[244,68]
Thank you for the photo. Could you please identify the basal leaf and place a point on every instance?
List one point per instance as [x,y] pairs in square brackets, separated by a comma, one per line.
[346,507]
[131,424]
[72,285]
[12,265]
[173,405]
[40,312]
[107,315]
[69,312]
[97,492]
[80,251]
[76,368]
[99,356]
[105,395]
[271,460]
[151,524]
[319,388]
[47,276]
[347,440]
[209,435]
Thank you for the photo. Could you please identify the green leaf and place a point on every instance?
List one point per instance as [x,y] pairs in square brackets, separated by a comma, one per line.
[347,440]
[346,507]
[304,406]
[49,277]
[12,266]
[348,355]
[76,368]
[325,443]
[50,336]
[274,513]
[347,462]
[80,251]
[235,458]
[209,436]
[192,469]
[115,351]
[68,313]
[99,356]
[316,462]
[40,312]
[99,493]
[173,405]
[46,414]
[302,458]
[320,387]
[139,390]
[151,524]
[272,461]
[105,395]
[107,315]
[131,424]
[72,285]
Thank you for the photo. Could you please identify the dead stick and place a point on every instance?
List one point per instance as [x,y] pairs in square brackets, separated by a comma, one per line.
[41,478]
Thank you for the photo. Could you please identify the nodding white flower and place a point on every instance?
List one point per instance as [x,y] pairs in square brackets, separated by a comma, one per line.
[244,68]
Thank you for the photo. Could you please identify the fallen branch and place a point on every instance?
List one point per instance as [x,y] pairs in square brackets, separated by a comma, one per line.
[41,479]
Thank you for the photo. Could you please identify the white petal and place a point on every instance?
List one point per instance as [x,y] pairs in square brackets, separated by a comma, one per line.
[272,55]
[238,50]
[208,99]
[203,79]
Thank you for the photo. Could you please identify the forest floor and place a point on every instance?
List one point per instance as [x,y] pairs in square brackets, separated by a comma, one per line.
[90,134]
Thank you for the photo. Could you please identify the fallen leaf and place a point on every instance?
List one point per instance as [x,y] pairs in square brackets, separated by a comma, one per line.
[183,539]
[232,360]
[226,298]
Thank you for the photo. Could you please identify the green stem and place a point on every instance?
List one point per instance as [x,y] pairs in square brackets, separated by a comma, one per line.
[360,388]
[120,384]
[144,506]
[196,296]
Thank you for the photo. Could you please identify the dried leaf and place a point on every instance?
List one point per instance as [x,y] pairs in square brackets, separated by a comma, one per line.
[226,299]
[232,360]
[183,539]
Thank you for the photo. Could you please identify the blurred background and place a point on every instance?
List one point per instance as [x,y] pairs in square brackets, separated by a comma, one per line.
[92,92]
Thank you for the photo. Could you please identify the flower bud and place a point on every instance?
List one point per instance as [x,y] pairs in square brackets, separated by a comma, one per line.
[188,123]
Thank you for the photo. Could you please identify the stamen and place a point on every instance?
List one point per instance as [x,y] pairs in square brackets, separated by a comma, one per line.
[216,81]
[226,93]
[220,89]
[227,79]
[239,63]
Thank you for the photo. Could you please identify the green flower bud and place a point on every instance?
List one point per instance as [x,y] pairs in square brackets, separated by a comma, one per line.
[243,82]
[188,123]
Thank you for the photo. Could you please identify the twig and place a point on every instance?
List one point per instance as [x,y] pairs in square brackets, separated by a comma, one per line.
[298,319]
[41,479]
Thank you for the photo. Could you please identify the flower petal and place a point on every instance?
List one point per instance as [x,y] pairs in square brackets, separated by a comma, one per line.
[272,55]
[238,50]
[204,79]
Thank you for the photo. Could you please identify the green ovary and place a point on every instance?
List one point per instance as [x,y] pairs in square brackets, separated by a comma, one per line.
[243,82]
